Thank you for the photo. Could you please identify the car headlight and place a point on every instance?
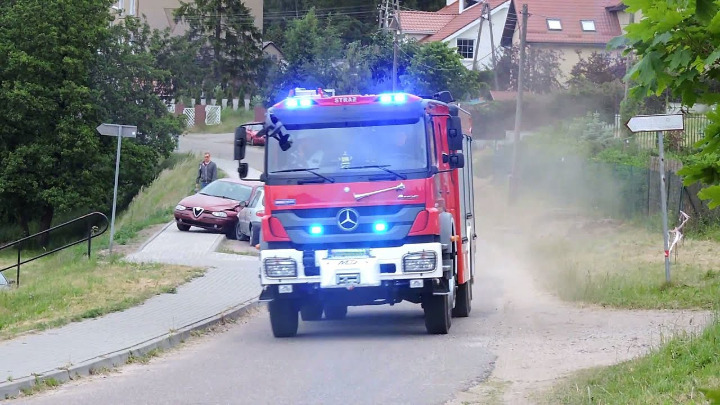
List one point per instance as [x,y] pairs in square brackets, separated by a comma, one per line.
[280,267]
[419,261]
[220,214]
[180,207]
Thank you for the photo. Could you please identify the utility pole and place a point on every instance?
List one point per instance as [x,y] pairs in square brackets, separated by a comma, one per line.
[484,11]
[395,26]
[518,106]
[492,52]
[628,61]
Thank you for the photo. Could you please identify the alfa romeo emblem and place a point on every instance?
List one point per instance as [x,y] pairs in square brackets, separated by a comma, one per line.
[197,211]
[348,219]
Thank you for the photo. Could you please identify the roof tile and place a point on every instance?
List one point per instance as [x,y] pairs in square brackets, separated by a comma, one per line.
[570,14]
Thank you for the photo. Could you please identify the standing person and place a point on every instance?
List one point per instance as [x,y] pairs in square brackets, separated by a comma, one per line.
[207,172]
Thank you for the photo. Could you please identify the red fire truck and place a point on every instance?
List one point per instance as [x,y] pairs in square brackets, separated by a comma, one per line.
[368,200]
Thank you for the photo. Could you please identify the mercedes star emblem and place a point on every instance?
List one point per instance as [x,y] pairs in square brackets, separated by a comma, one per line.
[348,219]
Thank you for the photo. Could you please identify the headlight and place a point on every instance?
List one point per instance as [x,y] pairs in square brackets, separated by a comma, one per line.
[280,267]
[180,207]
[220,214]
[419,261]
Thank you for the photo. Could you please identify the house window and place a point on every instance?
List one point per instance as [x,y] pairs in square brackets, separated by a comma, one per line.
[466,47]
[554,24]
[127,6]
[587,25]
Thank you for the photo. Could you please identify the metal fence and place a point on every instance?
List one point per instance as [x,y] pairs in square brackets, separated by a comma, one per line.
[614,190]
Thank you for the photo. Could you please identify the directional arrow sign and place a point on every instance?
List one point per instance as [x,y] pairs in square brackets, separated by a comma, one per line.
[659,122]
[125,131]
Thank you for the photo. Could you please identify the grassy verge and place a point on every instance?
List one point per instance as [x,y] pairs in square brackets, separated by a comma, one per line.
[674,374]
[230,119]
[155,204]
[622,266]
[67,286]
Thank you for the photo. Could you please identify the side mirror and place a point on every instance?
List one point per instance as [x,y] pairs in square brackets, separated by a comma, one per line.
[243,169]
[243,204]
[263,177]
[240,143]
[454,133]
[455,160]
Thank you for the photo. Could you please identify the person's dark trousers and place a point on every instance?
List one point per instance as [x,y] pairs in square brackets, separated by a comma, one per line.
[203,184]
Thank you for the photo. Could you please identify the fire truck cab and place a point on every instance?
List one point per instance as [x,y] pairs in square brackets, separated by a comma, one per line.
[368,201]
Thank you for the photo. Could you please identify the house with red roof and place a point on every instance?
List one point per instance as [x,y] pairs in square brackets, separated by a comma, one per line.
[457,24]
[573,28]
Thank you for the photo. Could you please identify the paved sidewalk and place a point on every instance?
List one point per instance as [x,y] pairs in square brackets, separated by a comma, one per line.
[230,285]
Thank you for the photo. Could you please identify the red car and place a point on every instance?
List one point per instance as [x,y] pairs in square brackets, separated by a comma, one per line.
[251,131]
[216,206]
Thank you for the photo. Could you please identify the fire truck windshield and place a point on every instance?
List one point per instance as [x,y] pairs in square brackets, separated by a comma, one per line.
[371,148]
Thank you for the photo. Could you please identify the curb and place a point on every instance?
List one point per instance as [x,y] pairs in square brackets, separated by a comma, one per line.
[9,389]
[152,238]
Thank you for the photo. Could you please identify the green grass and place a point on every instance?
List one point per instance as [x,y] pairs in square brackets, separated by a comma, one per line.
[673,374]
[67,286]
[229,118]
[624,267]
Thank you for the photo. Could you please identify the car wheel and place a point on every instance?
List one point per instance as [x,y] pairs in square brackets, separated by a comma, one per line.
[183,227]
[239,235]
[254,235]
[230,232]
[283,318]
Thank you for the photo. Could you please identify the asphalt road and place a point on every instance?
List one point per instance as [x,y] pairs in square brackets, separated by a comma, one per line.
[378,355]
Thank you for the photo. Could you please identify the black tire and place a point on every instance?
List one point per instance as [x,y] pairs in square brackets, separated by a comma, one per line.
[254,235]
[283,318]
[463,300]
[238,233]
[183,227]
[311,311]
[335,312]
[230,232]
[438,314]
[252,141]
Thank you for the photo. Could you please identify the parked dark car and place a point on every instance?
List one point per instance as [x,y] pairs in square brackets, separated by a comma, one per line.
[216,206]
[251,130]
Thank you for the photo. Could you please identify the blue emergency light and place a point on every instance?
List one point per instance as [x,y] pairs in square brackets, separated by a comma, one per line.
[380,226]
[316,230]
[393,98]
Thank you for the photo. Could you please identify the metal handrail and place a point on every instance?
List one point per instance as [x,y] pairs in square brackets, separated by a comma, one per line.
[93,232]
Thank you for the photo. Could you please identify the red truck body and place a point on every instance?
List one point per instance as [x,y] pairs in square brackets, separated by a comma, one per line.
[368,200]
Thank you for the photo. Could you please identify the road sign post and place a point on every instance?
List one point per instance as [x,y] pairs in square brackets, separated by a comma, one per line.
[121,131]
[658,124]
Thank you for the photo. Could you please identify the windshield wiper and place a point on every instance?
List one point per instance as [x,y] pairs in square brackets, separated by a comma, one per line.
[381,167]
[310,170]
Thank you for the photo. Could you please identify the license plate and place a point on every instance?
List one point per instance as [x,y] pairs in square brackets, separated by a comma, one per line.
[347,279]
[348,253]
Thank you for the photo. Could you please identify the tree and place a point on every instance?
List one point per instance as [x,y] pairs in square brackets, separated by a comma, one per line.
[227,36]
[57,83]
[542,70]
[677,44]
[436,67]
[48,142]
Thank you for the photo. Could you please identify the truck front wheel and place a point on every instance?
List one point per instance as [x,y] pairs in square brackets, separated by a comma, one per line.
[438,314]
[283,318]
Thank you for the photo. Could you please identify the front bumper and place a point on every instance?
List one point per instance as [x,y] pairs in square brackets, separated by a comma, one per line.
[205,221]
[380,266]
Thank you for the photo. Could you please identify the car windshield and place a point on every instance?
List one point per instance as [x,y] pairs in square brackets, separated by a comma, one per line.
[254,127]
[226,189]
[329,151]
